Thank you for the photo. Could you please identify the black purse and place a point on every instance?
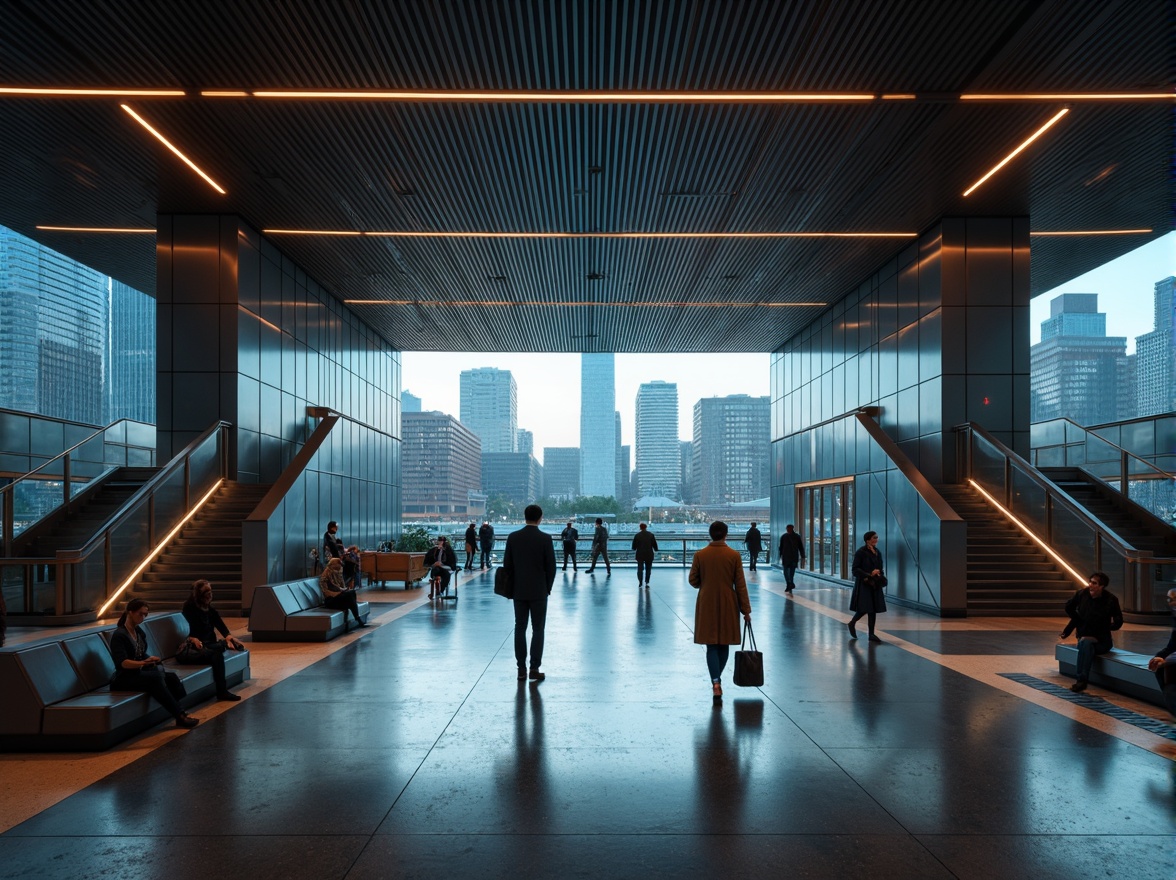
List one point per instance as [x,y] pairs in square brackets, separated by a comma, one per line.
[749,665]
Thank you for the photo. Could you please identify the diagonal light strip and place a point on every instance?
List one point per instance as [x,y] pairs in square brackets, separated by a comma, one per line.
[1007,159]
[143,122]
[1028,531]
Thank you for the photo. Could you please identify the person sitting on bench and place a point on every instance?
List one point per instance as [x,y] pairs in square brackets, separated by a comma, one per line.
[335,592]
[441,561]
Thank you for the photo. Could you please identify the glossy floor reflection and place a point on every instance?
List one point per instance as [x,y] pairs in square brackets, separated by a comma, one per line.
[414,751]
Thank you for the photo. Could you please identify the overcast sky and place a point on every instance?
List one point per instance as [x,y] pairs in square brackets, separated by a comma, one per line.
[549,384]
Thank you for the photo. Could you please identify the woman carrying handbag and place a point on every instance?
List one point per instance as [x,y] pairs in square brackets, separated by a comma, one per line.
[717,574]
[868,599]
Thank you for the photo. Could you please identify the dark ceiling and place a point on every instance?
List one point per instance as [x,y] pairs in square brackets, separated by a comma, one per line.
[589,167]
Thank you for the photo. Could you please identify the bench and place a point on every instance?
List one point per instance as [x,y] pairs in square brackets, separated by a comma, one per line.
[1116,670]
[57,694]
[384,567]
[294,612]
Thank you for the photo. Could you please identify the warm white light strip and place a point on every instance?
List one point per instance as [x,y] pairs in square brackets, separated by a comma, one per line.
[580,304]
[99,229]
[578,235]
[158,549]
[1040,543]
[143,122]
[1007,159]
[1072,96]
[91,93]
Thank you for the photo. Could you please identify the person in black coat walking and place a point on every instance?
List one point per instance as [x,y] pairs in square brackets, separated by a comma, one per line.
[471,542]
[791,555]
[755,545]
[529,563]
[569,536]
[600,546]
[644,548]
[868,599]
[1164,663]
[486,538]
[1095,613]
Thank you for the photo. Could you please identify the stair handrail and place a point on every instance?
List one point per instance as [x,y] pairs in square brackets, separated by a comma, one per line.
[1140,563]
[8,492]
[1125,456]
[81,592]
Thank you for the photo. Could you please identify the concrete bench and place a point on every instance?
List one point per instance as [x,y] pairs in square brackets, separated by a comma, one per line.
[57,694]
[1116,670]
[294,612]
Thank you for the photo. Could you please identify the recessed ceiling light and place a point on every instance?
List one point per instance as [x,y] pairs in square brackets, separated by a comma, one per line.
[1070,96]
[91,93]
[1093,232]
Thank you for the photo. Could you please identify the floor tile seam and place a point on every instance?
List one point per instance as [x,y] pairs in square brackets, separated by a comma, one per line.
[1095,720]
[429,751]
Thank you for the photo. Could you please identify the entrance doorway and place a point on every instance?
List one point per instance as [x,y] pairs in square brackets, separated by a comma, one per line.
[826,525]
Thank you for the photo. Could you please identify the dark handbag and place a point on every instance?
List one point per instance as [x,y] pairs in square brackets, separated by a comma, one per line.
[879,582]
[174,685]
[749,665]
[503,584]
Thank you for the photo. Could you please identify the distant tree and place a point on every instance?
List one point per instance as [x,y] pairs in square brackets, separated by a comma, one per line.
[499,506]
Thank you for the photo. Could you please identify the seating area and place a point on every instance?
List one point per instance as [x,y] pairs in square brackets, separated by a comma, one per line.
[384,567]
[294,612]
[1116,670]
[57,694]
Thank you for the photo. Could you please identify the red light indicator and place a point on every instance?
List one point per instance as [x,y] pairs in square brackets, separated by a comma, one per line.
[986,401]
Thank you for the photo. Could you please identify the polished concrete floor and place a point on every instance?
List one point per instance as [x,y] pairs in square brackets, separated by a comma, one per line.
[410,750]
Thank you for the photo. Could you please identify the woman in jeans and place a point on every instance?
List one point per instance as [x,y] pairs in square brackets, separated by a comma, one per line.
[135,669]
[717,574]
[335,592]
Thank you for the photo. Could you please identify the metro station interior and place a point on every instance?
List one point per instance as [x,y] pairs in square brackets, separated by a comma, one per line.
[871,193]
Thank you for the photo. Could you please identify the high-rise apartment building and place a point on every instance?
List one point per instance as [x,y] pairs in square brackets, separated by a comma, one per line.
[598,440]
[561,472]
[1077,371]
[490,407]
[441,468]
[130,356]
[731,449]
[658,455]
[1155,363]
[53,331]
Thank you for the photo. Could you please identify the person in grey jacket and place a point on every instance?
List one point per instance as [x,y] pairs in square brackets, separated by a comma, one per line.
[599,546]
[529,563]
[644,548]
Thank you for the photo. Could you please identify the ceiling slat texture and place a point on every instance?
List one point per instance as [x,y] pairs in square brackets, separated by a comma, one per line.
[592,168]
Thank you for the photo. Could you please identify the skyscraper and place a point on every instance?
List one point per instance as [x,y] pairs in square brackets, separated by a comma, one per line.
[731,449]
[524,441]
[561,472]
[409,403]
[1155,365]
[1077,371]
[130,373]
[441,463]
[598,442]
[53,326]
[658,455]
[490,407]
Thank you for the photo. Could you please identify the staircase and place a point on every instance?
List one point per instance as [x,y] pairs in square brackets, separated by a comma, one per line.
[75,529]
[1134,524]
[208,547]
[1007,572]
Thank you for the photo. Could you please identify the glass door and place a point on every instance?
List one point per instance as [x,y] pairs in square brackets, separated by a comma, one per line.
[826,526]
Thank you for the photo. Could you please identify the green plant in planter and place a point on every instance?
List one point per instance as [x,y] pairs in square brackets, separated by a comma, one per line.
[414,539]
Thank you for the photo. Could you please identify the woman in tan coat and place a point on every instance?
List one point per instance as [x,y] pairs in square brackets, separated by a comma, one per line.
[717,574]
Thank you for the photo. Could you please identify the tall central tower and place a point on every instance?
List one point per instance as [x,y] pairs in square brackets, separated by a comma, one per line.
[598,440]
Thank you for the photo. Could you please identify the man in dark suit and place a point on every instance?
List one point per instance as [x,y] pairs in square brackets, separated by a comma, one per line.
[569,536]
[791,555]
[529,562]
[755,544]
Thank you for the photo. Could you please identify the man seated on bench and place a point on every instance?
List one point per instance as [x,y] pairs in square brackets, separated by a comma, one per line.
[203,647]
[441,561]
[1094,611]
[1164,663]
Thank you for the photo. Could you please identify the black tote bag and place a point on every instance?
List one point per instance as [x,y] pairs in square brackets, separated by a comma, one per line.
[503,585]
[749,665]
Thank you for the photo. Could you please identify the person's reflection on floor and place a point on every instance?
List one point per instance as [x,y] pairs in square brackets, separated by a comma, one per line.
[720,778]
[524,779]
[644,617]
[868,686]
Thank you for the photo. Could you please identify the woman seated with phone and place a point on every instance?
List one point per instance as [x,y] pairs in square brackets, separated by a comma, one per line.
[135,669]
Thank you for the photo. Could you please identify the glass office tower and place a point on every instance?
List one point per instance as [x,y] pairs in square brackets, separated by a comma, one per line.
[598,442]
[490,407]
[659,464]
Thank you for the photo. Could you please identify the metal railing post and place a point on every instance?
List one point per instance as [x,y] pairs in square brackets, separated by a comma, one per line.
[65,489]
